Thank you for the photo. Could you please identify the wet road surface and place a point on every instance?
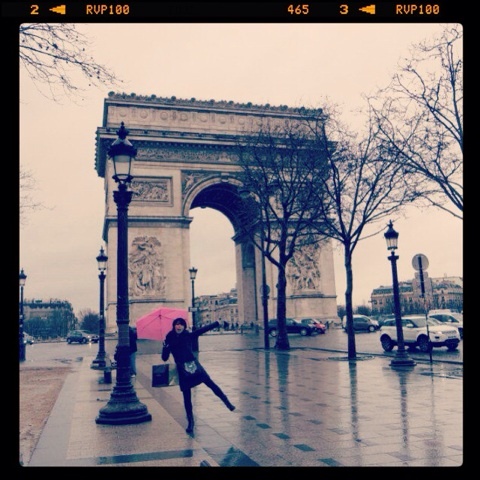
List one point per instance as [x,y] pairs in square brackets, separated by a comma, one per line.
[309,406]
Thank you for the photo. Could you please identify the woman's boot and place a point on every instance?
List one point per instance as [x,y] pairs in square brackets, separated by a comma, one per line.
[226,401]
[191,424]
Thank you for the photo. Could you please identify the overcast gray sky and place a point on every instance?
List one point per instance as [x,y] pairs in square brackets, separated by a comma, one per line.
[279,64]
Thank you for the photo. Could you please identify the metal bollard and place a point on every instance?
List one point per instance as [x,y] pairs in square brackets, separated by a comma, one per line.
[107,375]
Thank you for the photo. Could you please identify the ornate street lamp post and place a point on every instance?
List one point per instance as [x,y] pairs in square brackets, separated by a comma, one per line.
[123,407]
[21,349]
[401,356]
[265,291]
[100,361]
[193,274]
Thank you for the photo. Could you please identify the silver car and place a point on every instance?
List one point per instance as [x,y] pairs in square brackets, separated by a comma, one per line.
[362,323]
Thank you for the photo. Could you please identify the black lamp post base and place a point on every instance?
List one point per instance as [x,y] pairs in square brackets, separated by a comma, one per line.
[402,360]
[123,409]
[98,364]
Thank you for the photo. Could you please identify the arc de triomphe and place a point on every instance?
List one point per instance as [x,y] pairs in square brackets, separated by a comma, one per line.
[186,160]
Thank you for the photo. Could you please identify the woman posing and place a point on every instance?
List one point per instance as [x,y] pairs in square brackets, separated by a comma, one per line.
[179,342]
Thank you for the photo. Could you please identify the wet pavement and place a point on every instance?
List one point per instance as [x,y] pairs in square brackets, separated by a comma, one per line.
[307,407]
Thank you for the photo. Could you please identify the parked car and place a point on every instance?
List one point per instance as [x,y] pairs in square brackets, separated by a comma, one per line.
[28,339]
[362,323]
[315,323]
[79,336]
[450,318]
[95,337]
[293,326]
[381,319]
[415,334]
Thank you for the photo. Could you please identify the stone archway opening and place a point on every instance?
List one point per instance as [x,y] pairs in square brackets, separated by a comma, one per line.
[212,252]
[221,195]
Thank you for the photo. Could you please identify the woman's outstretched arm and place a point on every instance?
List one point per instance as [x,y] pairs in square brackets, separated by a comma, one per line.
[206,328]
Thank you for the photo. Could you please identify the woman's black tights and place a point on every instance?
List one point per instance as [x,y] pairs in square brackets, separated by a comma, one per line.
[187,401]
[187,397]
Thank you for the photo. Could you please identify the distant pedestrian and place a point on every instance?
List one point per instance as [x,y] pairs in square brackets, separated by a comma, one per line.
[132,331]
[178,342]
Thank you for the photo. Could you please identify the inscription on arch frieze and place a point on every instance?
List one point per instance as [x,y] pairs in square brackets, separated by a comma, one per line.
[189,119]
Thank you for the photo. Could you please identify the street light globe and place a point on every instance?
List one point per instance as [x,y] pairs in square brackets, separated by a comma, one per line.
[193,273]
[102,260]
[391,236]
[122,152]
[22,278]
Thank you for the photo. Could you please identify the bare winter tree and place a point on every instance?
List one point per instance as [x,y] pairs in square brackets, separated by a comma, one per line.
[365,185]
[28,203]
[281,172]
[420,118]
[52,52]
[89,320]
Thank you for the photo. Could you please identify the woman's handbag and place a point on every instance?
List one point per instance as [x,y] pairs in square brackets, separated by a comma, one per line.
[164,375]
[190,367]
[193,373]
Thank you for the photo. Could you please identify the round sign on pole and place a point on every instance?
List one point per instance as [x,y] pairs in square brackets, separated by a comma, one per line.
[267,289]
[420,262]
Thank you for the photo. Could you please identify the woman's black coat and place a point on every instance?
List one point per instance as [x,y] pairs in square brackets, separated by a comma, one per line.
[180,346]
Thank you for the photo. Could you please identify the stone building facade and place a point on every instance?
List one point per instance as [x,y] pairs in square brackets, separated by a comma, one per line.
[446,292]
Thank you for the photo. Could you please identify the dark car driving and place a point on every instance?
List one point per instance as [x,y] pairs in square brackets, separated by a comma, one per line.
[80,336]
[293,326]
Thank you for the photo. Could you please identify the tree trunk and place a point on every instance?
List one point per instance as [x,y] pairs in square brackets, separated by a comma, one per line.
[352,353]
[282,342]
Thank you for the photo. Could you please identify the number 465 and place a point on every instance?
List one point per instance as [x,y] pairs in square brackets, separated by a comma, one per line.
[298,9]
